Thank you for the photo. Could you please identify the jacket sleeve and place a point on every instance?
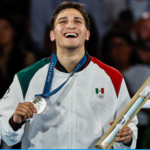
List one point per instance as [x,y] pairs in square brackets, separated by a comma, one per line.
[123,100]
[8,105]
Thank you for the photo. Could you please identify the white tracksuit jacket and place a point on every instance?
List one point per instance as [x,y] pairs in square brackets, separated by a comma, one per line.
[76,117]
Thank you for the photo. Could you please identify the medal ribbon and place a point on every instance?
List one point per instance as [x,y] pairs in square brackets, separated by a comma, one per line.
[50,74]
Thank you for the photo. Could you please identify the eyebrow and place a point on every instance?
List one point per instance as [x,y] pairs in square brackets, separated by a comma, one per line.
[67,17]
[78,18]
[62,18]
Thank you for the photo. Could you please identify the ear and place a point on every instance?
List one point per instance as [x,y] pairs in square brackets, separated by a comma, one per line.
[87,35]
[52,37]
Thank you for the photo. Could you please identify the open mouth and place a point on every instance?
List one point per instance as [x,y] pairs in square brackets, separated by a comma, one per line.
[71,35]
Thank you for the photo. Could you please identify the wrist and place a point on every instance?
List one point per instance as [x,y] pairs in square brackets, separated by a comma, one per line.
[15,120]
[15,126]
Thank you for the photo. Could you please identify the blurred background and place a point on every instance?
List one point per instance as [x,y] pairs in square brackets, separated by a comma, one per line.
[120,37]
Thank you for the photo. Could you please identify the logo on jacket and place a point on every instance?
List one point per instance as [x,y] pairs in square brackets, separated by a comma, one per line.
[99,93]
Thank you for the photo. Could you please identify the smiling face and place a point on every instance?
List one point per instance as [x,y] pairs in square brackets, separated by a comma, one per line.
[70,31]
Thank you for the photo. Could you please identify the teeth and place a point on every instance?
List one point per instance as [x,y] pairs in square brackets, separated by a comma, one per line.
[70,34]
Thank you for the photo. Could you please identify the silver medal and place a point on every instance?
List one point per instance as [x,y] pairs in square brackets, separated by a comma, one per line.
[39,103]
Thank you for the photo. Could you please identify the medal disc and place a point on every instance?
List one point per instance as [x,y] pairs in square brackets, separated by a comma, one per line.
[39,103]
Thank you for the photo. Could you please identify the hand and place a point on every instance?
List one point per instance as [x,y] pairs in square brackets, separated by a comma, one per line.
[124,135]
[23,112]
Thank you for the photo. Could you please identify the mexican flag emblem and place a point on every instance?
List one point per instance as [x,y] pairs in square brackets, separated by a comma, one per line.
[99,93]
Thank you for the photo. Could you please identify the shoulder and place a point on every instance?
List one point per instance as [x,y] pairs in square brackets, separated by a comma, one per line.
[114,74]
[25,75]
[111,72]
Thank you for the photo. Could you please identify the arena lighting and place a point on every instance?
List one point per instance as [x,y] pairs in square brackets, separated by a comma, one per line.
[145,15]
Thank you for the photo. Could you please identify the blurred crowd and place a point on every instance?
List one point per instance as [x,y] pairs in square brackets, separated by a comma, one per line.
[120,37]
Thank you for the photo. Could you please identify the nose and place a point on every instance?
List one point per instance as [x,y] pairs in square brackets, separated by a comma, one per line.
[71,25]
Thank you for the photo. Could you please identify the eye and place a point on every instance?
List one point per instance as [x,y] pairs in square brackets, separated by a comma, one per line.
[77,21]
[63,21]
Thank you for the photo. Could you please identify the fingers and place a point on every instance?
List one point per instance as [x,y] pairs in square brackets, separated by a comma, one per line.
[125,139]
[125,129]
[31,107]
[21,114]
[24,111]
[124,132]
[124,135]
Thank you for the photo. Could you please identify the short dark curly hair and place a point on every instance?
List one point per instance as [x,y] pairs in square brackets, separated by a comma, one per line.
[66,5]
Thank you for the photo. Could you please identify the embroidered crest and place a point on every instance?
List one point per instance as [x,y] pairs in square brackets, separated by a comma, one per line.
[99,93]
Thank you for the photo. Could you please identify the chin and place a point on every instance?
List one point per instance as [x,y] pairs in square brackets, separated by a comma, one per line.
[72,47]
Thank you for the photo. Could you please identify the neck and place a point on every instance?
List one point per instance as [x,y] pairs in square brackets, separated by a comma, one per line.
[70,58]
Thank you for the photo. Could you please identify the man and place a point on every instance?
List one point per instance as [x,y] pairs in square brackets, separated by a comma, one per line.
[41,11]
[83,95]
